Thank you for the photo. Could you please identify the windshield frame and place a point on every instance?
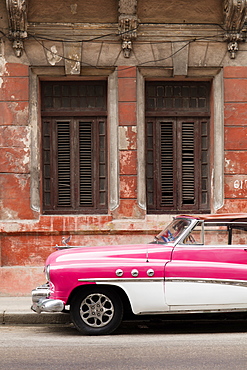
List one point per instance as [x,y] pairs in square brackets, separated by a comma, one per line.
[175,231]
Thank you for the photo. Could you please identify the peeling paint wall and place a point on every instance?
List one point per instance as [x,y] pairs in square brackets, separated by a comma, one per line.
[27,236]
[14,143]
[235,178]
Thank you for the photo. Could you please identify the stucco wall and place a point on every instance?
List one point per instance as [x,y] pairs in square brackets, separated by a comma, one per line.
[164,49]
[65,11]
[180,11]
[235,139]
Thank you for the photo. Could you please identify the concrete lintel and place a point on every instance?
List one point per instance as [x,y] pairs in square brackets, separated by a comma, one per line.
[180,56]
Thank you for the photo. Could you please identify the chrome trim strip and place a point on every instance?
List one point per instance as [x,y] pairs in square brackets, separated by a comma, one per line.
[170,280]
[176,310]
[208,281]
[111,280]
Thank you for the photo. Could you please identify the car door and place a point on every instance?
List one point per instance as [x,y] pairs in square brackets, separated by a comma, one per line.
[207,277]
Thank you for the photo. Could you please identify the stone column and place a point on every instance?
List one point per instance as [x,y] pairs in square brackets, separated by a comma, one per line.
[128,207]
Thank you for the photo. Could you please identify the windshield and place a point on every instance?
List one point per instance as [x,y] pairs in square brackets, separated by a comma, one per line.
[173,231]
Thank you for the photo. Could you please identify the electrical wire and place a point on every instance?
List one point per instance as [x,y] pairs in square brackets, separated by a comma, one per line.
[89,40]
[40,38]
[116,34]
[68,59]
[44,38]
[204,38]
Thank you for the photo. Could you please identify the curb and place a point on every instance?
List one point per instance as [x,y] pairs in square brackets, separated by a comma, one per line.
[25,318]
[17,310]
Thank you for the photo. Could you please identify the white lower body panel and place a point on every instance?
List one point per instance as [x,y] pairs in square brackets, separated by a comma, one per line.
[205,295]
[144,297]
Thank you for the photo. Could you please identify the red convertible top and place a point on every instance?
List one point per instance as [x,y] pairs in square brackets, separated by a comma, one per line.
[230,217]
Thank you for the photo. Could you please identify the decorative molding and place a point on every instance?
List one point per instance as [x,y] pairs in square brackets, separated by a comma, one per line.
[17,16]
[127,24]
[235,13]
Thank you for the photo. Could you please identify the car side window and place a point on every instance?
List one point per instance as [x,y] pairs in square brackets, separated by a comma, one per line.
[217,234]
[196,236]
[239,236]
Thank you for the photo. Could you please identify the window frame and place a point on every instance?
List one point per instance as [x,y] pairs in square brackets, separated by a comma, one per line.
[74,119]
[156,115]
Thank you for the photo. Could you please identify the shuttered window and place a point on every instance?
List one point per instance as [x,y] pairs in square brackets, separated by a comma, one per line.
[177,157]
[74,161]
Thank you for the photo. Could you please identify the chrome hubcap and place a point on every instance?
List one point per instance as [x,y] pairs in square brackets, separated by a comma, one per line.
[96,310]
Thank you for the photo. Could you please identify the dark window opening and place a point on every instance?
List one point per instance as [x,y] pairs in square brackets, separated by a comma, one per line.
[74,153]
[177,149]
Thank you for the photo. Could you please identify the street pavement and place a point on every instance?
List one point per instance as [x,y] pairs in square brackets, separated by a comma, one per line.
[17,310]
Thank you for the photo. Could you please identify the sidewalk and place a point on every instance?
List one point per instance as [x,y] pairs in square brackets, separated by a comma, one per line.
[17,310]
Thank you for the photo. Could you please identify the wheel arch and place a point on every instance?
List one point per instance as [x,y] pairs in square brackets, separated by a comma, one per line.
[118,290]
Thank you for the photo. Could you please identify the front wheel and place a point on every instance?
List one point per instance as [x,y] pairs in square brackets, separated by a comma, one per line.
[96,311]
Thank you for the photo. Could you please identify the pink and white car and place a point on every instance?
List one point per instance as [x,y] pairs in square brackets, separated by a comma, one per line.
[197,264]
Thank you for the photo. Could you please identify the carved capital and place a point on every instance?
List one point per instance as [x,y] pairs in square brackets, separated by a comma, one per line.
[235,12]
[127,24]
[17,15]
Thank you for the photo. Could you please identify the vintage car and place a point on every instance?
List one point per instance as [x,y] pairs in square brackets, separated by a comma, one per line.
[197,264]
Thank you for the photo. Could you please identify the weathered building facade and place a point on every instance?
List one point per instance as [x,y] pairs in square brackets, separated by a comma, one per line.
[114,116]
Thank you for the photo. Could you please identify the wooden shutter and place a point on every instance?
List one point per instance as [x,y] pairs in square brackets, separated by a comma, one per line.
[74,165]
[161,164]
[188,163]
[188,171]
[92,164]
[205,170]
[74,138]
[47,164]
[150,165]
[177,165]
[177,146]
[63,138]
[86,163]
[167,153]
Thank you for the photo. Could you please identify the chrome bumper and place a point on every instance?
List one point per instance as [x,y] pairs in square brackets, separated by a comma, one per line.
[42,302]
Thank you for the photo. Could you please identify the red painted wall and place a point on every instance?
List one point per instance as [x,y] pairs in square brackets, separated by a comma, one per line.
[127,98]
[235,89]
[27,237]
[14,143]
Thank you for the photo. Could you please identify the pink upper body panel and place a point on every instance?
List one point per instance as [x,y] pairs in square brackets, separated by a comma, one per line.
[70,268]
[208,262]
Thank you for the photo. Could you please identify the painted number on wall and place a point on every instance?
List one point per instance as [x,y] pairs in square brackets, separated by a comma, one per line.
[240,184]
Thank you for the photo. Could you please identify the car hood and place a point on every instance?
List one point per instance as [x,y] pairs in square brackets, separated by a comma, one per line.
[110,253]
